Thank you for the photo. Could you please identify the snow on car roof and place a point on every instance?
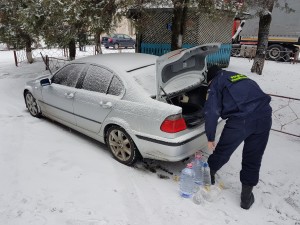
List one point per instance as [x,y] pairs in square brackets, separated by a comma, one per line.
[121,61]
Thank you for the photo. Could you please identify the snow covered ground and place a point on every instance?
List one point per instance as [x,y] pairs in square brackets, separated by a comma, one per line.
[52,175]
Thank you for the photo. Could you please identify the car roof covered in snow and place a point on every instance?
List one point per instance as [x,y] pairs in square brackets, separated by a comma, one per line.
[121,61]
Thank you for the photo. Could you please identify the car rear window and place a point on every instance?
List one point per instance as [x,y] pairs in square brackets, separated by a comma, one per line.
[145,77]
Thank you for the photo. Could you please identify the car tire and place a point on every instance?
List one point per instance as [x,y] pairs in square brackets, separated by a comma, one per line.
[121,145]
[32,105]
[116,46]
[275,52]
[106,47]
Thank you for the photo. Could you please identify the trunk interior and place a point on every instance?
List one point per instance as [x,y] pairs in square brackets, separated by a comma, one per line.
[192,104]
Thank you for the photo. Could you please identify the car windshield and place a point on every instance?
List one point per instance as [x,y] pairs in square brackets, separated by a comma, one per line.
[145,77]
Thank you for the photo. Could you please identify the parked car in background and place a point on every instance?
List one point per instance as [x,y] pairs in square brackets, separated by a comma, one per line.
[120,40]
[140,105]
[104,40]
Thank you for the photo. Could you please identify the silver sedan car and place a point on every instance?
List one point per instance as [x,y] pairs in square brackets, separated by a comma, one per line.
[139,105]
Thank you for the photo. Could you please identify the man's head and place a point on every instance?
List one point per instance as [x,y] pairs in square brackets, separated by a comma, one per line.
[212,72]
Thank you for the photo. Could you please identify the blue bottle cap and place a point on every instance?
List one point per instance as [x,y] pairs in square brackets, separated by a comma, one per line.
[205,164]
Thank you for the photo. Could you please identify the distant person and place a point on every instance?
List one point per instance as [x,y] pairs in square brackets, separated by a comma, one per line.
[246,107]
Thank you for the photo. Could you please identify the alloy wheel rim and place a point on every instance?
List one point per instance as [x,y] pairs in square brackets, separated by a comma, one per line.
[120,145]
[31,104]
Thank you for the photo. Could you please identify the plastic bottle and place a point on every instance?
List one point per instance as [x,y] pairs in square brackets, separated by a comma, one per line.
[198,198]
[198,169]
[208,193]
[187,181]
[206,175]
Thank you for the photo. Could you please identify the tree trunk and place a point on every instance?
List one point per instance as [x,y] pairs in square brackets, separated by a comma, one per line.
[262,45]
[98,48]
[72,49]
[178,23]
[138,47]
[28,50]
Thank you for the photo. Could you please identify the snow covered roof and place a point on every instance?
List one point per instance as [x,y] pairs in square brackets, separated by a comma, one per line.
[121,61]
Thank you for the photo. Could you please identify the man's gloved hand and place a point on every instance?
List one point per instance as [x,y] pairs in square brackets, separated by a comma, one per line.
[211,145]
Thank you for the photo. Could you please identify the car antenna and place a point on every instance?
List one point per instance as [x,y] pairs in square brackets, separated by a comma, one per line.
[166,95]
[47,66]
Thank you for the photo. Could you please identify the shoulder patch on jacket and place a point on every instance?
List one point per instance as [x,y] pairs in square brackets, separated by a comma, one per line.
[237,77]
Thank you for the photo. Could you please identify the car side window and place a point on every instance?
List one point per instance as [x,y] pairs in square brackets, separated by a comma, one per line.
[116,87]
[126,36]
[68,75]
[121,36]
[97,79]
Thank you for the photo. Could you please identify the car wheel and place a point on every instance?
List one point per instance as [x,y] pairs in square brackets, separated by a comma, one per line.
[106,47]
[32,105]
[275,52]
[116,46]
[121,145]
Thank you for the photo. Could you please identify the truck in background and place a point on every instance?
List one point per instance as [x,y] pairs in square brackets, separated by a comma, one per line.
[284,35]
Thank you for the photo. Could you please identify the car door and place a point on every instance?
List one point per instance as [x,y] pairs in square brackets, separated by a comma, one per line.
[127,41]
[121,40]
[100,91]
[58,97]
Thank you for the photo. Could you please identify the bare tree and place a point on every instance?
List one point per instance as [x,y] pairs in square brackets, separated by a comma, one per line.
[263,9]
[265,18]
[178,23]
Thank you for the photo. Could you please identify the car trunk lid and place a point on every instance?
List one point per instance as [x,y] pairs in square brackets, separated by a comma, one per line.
[182,68]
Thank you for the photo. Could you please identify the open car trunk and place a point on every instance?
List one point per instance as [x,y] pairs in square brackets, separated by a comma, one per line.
[180,77]
[192,104]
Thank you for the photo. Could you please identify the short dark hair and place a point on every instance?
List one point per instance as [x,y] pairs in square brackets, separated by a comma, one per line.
[212,72]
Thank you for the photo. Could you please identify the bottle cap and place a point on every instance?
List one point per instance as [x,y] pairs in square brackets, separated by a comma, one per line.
[205,164]
[198,156]
[189,165]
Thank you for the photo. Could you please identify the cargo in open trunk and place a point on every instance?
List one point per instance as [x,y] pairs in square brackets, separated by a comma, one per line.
[192,104]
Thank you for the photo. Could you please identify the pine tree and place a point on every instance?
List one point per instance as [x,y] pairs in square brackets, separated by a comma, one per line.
[19,26]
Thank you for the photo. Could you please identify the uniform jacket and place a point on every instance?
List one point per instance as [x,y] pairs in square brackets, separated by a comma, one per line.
[233,96]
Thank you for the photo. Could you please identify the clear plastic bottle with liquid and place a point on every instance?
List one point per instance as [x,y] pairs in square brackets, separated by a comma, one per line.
[198,169]
[187,181]
[206,175]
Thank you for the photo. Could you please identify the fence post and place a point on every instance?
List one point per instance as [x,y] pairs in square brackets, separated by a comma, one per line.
[47,62]
[16,59]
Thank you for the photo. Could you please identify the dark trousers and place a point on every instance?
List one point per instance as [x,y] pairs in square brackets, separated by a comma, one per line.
[255,134]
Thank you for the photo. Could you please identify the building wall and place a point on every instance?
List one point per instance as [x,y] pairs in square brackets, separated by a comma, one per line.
[125,26]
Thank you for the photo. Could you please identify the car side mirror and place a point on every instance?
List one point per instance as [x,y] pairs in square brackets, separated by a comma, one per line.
[45,82]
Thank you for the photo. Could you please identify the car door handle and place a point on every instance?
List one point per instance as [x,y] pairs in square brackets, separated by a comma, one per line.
[69,95]
[105,105]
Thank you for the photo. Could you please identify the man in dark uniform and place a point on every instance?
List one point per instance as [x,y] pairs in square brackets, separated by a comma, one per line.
[246,107]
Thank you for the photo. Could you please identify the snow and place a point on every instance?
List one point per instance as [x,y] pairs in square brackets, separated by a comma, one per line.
[51,174]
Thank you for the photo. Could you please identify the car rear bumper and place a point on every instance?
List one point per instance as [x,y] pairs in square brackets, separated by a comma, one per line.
[174,149]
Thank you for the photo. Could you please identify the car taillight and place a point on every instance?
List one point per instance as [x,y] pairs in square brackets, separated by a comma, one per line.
[110,40]
[173,124]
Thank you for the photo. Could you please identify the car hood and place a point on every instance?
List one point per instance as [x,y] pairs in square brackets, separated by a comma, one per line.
[179,69]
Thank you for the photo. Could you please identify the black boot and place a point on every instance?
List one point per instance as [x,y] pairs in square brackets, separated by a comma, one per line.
[247,197]
[212,176]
